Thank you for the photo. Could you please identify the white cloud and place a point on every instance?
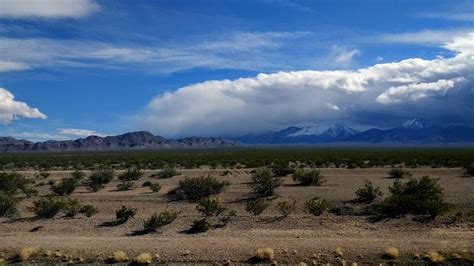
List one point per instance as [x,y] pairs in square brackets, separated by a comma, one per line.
[6,66]
[267,51]
[438,87]
[10,109]
[47,8]
[425,37]
[78,132]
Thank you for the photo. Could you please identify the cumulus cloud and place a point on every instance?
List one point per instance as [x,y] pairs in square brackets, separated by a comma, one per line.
[47,8]
[10,109]
[78,132]
[411,87]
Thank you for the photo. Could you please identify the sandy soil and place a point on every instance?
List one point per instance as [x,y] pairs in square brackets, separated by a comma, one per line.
[299,237]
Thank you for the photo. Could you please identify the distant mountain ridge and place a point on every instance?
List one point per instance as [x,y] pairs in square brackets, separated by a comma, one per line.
[412,131]
[133,140]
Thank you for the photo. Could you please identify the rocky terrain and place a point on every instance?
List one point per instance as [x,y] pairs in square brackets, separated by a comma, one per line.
[134,140]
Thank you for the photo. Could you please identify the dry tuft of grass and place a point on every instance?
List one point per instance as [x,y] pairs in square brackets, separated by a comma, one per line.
[143,258]
[433,256]
[26,253]
[391,253]
[265,253]
[339,252]
[120,256]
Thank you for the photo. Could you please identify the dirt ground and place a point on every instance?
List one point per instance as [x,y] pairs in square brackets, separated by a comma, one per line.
[300,237]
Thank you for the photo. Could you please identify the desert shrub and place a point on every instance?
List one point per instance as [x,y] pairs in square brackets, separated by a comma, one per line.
[391,253]
[399,173]
[89,210]
[143,258]
[65,187]
[264,182]
[257,205]
[119,256]
[469,169]
[309,178]
[131,175]
[156,221]
[422,196]
[200,226]
[225,219]
[210,207]
[71,207]
[78,175]
[265,254]
[282,169]
[123,214]
[316,206]
[47,207]
[367,193]
[8,205]
[11,183]
[155,187]
[98,179]
[285,208]
[126,185]
[197,188]
[167,172]
[146,184]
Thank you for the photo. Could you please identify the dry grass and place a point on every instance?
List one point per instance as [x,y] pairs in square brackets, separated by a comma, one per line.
[339,252]
[433,256]
[26,253]
[391,253]
[120,256]
[265,253]
[143,258]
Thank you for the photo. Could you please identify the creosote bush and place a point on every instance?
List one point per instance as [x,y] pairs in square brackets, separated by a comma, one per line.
[285,208]
[156,221]
[282,169]
[71,207]
[126,185]
[8,205]
[309,177]
[98,179]
[368,193]
[257,205]
[200,226]
[167,172]
[316,206]
[469,169]
[264,183]
[131,175]
[89,210]
[48,207]
[12,183]
[197,188]
[123,214]
[155,187]
[78,175]
[65,187]
[399,173]
[215,215]
[423,196]
[210,207]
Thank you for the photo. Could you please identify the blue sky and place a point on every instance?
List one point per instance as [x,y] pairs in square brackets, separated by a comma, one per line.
[177,68]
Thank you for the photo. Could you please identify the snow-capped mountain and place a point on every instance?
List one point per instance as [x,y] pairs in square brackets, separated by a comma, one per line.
[309,134]
[333,131]
[416,123]
[414,130]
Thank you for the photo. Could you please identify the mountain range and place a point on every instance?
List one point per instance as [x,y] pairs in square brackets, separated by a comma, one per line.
[133,140]
[413,131]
